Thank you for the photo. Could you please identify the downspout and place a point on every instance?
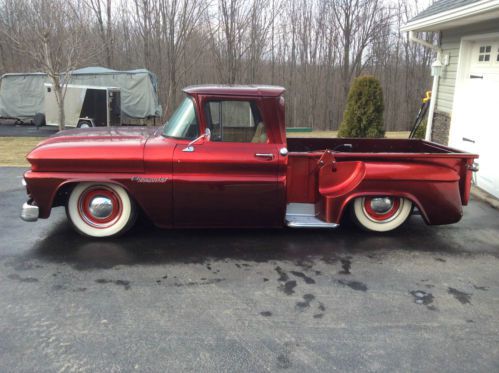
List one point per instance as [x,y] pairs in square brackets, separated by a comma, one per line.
[436,79]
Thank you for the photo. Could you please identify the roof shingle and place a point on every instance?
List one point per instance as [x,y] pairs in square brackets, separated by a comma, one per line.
[442,6]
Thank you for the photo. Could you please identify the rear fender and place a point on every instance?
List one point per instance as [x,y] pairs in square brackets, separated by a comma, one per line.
[433,189]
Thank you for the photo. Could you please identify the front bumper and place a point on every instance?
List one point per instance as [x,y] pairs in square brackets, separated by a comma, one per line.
[29,212]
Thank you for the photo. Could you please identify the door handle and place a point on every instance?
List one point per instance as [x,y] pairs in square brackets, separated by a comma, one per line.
[265,155]
[469,140]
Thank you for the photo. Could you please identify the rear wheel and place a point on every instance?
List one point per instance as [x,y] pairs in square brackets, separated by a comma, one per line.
[381,213]
[85,124]
[100,209]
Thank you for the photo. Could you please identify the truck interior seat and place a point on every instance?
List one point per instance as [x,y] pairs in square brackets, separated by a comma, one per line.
[260,134]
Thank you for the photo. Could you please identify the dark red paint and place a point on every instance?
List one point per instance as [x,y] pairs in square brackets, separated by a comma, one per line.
[224,184]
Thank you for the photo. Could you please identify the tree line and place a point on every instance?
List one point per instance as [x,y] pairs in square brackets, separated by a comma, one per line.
[314,48]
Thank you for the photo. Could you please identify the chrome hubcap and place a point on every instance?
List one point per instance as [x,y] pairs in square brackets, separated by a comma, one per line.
[101,207]
[381,205]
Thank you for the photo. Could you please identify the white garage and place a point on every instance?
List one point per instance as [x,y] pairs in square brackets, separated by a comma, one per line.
[466,90]
[475,119]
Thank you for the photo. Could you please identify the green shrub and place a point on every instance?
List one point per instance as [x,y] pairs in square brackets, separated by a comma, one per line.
[421,131]
[363,116]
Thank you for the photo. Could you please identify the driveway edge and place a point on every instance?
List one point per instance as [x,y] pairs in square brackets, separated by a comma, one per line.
[484,196]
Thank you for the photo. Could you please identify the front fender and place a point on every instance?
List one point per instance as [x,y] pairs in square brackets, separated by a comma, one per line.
[154,198]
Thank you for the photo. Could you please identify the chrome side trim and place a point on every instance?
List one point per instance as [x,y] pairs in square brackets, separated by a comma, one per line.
[265,155]
[29,212]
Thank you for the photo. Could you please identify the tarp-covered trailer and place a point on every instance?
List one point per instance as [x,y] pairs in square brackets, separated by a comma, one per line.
[23,95]
[84,106]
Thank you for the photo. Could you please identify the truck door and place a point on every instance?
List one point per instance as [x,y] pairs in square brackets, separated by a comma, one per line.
[230,180]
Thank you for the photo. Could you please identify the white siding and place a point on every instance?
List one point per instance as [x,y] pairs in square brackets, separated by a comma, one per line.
[451,40]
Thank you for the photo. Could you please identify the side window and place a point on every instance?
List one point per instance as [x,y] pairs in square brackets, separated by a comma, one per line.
[235,121]
[484,53]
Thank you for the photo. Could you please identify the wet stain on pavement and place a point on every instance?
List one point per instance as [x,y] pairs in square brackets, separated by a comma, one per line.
[355,285]
[307,279]
[329,259]
[423,298]
[283,276]
[25,266]
[307,299]
[483,288]
[283,361]
[266,313]
[321,308]
[198,283]
[346,265]
[15,276]
[304,263]
[461,296]
[124,283]
[288,287]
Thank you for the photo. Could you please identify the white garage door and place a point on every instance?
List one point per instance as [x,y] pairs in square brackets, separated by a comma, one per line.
[475,119]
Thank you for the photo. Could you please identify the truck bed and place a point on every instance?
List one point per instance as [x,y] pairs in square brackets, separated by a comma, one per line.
[413,146]
[305,153]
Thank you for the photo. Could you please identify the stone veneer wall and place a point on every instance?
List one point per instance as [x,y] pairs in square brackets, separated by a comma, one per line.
[440,128]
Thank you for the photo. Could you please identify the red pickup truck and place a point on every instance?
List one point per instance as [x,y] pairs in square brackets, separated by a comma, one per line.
[223,160]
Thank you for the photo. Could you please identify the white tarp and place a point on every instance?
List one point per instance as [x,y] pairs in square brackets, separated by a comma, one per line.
[22,95]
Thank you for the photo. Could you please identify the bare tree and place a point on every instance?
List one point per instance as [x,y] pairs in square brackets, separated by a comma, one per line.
[104,23]
[179,18]
[360,22]
[228,38]
[52,36]
[312,47]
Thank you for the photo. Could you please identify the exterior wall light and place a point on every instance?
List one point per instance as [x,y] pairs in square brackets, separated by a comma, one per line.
[437,68]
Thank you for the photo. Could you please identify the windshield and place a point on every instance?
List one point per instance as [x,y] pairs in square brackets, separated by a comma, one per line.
[183,123]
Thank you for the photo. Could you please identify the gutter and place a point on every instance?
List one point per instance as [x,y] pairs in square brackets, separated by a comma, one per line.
[436,79]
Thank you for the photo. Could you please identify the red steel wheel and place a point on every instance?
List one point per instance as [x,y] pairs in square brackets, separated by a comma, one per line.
[100,209]
[381,213]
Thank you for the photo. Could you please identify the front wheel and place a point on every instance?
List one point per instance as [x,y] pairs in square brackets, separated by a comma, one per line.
[100,209]
[381,213]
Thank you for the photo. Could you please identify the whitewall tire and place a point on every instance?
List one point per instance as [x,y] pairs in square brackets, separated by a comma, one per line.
[381,213]
[100,209]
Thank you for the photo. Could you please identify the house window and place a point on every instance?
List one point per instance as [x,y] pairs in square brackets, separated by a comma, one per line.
[484,55]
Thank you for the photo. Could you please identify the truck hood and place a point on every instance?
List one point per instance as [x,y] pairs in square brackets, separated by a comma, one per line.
[116,149]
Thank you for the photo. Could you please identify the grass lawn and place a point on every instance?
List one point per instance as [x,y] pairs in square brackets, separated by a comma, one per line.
[13,150]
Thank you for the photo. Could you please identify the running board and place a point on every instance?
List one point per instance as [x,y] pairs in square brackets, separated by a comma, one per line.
[302,215]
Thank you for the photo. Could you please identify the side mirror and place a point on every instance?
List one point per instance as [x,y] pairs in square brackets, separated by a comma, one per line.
[205,136]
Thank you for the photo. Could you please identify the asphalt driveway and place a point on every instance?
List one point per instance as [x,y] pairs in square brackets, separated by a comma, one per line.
[10,129]
[421,299]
